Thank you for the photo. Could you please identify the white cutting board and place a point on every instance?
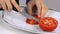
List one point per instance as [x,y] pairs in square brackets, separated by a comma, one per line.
[17,20]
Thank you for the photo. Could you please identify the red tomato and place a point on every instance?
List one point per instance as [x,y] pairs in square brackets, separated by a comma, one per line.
[48,23]
[36,16]
[32,22]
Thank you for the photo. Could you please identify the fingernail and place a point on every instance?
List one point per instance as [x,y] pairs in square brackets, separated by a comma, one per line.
[38,15]
[20,10]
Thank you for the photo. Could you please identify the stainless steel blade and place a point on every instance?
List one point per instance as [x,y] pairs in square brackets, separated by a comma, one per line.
[24,13]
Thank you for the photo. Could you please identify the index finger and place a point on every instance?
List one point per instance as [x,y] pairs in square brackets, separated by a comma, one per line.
[2,4]
[44,9]
[16,5]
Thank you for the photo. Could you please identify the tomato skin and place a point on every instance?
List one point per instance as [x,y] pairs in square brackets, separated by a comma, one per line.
[49,25]
[31,21]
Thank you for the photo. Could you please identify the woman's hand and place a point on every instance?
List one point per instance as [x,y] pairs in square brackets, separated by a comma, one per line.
[41,7]
[7,5]
[44,9]
[30,4]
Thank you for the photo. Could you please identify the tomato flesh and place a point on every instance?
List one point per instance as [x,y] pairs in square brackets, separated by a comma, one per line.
[48,23]
[31,21]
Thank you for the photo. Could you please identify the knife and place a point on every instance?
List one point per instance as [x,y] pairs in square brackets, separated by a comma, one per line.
[24,13]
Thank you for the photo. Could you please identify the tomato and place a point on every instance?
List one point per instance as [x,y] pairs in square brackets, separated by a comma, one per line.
[36,16]
[31,21]
[48,23]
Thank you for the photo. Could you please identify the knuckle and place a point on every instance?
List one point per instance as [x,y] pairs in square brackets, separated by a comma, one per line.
[9,8]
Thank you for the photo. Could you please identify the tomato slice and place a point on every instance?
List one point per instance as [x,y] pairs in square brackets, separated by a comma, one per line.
[48,23]
[31,21]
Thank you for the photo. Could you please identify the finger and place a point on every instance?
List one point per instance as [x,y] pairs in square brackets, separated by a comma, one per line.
[2,3]
[38,4]
[8,4]
[44,9]
[29,7]
[16,5]
[39,11]
[0,6]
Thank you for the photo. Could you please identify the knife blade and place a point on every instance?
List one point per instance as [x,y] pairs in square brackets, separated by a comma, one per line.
[24,13]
